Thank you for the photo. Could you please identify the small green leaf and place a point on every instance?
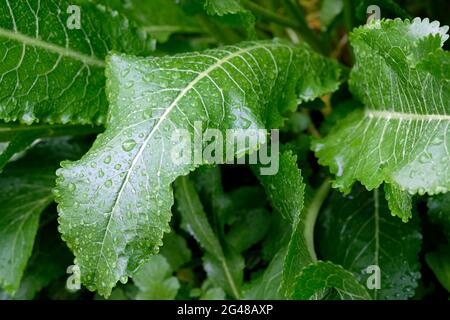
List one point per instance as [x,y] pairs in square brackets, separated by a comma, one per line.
[155,281]
[223,265]
[232,13]
[26,191]
[241,237]
[175,250]
[439,262]
[213,294]
[329,10]
[326,275]
[268,285]
[400,202]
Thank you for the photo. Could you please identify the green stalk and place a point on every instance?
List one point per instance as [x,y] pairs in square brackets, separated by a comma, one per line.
[311,216]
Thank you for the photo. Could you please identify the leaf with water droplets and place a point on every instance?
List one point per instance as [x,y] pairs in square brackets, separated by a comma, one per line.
[326,275]
[53,54]
[255,81]
[401,138]
[357,232]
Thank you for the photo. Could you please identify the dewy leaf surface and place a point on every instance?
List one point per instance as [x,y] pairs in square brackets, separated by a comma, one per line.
[115,202]
[326,275]
[402,136]
[51,71]
[357,231]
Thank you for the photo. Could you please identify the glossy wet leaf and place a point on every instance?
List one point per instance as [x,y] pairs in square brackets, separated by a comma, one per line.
[326,275]
[357,231]
[53,71]
[115,202]
[401,137]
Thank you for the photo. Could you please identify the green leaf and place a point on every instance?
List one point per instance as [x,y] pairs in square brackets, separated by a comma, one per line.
[26,191]
[326,275]
[52,72]
[233,13]
[329,10]
[439,262]
[155,281]
[175,250]
[213,294]
[48,262]
[115,202]
[401,76]
[325,78]
[286,192]
[400,202]
[357,231]
[301,251]
[268,285]
[241,237]
[159,18]
[17,145]
[285,189]
[223,265]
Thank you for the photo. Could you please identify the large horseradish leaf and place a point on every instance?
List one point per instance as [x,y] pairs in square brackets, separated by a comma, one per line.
[53,52]
[115,202]
[402,135]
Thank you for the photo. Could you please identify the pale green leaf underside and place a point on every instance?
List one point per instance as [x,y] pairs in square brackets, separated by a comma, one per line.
[115,202]
[402,137]
[50,73]
[326,275]
[357,231]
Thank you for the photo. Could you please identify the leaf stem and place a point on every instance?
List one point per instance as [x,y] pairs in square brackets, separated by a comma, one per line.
[311,216]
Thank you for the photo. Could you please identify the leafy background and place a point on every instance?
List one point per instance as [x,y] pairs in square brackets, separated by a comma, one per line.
[364,163]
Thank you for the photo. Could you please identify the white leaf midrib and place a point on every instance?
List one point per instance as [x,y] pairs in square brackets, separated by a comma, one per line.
[62,51]
[147,139]
[393,115]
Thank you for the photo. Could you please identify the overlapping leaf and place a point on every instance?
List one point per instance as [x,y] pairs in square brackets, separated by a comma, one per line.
[26,191]
[358,232]
[401,137]
[159,18]
[53,52]
[115,202]
[325,275]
